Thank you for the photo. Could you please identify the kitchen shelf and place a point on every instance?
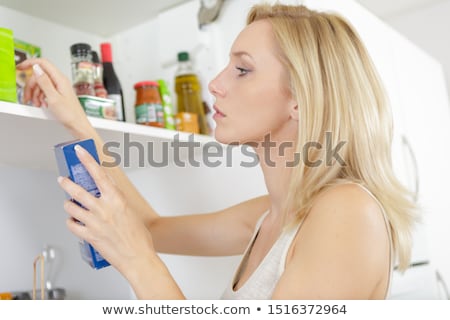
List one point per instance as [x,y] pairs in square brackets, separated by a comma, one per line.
[28,135]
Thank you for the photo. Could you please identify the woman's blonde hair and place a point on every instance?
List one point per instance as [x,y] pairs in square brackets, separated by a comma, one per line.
[340,99]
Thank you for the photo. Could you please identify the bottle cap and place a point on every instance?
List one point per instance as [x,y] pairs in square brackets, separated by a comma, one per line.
[146,84]
[79,49]
[105,49]
[183,56]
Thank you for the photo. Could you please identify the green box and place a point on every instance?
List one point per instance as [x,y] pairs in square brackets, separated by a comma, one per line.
[98,107]
[7,68]
[166,101]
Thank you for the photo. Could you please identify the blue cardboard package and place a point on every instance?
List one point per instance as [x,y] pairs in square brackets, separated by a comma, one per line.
[70,166]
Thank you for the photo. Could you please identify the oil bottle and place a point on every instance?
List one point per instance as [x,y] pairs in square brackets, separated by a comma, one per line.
[190,115]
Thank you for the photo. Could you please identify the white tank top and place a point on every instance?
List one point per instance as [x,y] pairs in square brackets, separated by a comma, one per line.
[261,283]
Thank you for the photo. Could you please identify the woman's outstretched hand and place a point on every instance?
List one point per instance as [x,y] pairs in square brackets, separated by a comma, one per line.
[48,87]
[107,223]
[117,233]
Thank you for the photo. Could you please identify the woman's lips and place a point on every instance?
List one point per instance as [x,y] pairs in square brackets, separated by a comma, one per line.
[219,114]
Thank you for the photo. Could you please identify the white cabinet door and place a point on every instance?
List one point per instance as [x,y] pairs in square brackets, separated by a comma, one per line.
[424,100]
[408,87]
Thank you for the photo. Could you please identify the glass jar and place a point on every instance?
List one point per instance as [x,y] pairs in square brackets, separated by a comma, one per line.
[82,69]
[99,88]
[148,106]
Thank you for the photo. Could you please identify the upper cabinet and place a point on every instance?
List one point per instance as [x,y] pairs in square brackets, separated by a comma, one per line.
[133,32]
[102,18]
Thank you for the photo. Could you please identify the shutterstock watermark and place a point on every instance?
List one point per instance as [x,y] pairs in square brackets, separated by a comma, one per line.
[214,154]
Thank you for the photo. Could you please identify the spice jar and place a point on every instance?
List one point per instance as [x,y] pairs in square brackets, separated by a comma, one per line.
[148,106]
[82,69]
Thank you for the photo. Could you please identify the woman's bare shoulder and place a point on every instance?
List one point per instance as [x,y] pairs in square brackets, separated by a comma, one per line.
[341,249]
[346,211]
[354,198]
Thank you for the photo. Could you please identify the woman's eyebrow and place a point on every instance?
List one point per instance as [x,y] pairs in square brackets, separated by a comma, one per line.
[239,54]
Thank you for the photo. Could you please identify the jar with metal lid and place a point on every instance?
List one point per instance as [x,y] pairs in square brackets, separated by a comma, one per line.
[82,69]
[148,106]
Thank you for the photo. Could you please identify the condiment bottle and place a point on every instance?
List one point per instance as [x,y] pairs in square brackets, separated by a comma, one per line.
[148,106]
[111,81]
[190,115]
[82,69]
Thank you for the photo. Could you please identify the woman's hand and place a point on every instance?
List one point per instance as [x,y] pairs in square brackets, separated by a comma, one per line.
[48,87]
[107,223]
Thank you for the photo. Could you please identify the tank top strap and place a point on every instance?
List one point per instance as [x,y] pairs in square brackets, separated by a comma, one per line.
[388,229]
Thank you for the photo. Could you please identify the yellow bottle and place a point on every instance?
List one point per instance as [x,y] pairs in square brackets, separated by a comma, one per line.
[190,115]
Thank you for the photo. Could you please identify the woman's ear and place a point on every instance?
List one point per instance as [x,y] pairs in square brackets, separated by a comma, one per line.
[294,110]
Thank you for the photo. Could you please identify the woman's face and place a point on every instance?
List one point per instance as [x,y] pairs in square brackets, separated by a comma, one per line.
[252,95]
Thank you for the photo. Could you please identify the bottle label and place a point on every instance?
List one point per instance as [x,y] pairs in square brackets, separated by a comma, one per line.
[118,102]
[187,122]
[149,112]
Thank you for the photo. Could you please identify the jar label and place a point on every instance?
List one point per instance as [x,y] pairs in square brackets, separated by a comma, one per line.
[149,112]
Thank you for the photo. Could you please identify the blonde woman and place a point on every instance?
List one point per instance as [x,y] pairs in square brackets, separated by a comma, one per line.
[301,89]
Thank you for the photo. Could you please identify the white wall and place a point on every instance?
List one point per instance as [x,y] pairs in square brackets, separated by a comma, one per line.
[428,29]
[32,217]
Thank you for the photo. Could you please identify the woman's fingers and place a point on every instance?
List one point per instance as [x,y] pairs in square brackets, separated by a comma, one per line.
[46,85]
[95,170]
[30,86]
[77,212]
[35,96]
[78,193]
[43,100]
[54,74]
[77,229]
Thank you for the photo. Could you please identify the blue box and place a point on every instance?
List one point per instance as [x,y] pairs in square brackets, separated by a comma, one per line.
[70,166]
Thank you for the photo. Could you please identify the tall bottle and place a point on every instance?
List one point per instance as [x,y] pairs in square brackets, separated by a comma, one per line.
[190,113]
[111,81]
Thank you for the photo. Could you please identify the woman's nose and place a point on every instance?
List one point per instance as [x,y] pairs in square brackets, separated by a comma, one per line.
[215,86]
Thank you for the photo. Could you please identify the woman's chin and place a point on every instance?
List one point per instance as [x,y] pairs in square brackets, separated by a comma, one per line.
[227,137]
[223,139]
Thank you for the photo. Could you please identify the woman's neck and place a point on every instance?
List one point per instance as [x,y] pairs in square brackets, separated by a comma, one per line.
[277,159]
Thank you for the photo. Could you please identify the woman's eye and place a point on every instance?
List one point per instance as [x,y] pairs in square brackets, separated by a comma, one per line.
[242,71]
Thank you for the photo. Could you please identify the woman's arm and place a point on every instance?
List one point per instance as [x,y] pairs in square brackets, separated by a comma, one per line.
[117,233]
[202,234]
[50,88]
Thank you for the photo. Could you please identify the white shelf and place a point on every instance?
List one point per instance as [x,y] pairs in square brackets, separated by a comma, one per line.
[28,135]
